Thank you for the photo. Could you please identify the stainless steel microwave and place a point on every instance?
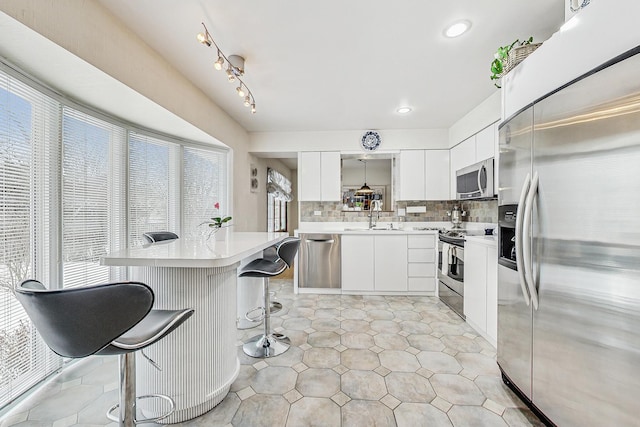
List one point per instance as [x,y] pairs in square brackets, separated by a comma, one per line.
[475,181]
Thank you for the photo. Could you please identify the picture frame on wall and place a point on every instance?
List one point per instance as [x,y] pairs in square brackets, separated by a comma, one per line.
[255,183]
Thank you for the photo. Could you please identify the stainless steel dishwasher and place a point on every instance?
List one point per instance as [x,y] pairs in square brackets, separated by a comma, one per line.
[319,261]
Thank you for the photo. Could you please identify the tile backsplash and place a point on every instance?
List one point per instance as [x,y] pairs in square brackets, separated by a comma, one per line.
[485,211]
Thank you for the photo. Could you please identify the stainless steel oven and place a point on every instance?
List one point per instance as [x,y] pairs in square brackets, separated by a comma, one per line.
[451,272]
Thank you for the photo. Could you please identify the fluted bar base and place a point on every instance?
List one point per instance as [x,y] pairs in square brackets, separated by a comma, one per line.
[199,359]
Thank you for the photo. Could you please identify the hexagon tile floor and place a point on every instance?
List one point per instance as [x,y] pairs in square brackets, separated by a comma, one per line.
[355,361]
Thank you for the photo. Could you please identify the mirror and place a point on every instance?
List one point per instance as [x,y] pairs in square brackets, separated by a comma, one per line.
[376,172]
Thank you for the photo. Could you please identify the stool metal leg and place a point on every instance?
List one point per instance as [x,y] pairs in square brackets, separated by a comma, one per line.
[127,390]
[126,416]
[267,344]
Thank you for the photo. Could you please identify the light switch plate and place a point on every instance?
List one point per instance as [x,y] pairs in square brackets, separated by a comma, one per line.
[317,213]
[402,212]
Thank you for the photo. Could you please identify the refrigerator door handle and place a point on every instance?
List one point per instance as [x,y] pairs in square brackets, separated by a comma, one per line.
[519,237]
[526,240]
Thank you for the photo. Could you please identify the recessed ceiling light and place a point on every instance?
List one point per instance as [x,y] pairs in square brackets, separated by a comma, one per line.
[403,110]
[457,28]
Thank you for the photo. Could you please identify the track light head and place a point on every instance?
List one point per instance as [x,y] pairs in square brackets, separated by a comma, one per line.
[202,38]
[234,68]
[219,62]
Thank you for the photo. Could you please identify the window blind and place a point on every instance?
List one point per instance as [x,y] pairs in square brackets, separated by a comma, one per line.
[74,184]
[154,186]
[29,153]
[93,195]
[204,185]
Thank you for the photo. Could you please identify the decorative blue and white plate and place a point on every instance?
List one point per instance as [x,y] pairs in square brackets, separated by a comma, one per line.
[370,140]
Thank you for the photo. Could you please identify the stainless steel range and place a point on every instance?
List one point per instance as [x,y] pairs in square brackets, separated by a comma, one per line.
[451,269]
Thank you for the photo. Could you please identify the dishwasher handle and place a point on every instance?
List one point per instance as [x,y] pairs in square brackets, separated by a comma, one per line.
[320,241]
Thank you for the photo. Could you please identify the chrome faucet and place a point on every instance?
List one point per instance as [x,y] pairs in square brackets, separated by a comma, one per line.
[371,223]
[375,204]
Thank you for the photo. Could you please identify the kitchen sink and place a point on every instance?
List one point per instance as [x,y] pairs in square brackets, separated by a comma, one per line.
[373,229]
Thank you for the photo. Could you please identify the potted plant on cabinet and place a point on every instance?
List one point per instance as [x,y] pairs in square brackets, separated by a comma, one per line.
[507,57]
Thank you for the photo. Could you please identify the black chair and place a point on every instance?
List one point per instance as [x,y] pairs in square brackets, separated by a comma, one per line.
[158,236]
[270,344]
[106,319]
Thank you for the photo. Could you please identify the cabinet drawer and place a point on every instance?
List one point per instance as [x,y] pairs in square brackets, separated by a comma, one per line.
[421,242]
[421,269]
[422,284]
[421,255]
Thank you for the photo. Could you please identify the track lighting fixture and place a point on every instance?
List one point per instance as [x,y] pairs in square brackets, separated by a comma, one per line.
[234,68]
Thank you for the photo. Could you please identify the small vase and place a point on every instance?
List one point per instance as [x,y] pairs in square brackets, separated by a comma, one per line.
[221,234]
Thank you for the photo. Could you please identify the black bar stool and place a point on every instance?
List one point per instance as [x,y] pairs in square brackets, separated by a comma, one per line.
[106,319]
[270,344]
[158,236]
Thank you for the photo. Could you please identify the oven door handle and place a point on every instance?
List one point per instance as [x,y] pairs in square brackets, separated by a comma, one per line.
[526,240]
[519,237]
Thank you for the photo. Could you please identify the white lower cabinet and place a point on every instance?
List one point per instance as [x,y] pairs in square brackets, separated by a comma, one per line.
[388,263]
[357,262]
[481,288]
[421,267]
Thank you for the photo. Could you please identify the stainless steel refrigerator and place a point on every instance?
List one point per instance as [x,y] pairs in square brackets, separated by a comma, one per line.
[569,249]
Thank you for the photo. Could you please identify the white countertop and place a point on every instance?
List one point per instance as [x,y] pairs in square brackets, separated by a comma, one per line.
[366,231]
[194,253]
[484,240]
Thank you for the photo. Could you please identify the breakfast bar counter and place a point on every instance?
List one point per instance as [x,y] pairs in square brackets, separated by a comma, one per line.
[198,360]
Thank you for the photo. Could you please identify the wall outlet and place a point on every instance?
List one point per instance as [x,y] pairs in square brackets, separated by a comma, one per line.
[317,213]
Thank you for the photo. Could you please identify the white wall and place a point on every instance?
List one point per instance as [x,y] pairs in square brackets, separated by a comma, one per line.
[85,29]
[392,140]
[259,204]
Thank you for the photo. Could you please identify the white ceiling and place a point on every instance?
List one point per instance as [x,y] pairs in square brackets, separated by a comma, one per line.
[341,64]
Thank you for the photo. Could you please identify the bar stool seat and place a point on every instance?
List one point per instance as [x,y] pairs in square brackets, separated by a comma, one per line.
[106,319]
[269,344]
[159,236]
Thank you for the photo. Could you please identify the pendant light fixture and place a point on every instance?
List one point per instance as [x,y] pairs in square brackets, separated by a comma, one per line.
[365,189]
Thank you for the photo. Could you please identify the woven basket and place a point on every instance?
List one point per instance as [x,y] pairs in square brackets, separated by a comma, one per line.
[518,54]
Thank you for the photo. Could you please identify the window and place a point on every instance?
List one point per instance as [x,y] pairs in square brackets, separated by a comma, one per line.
[204,185]
[93,194]
[74,185]
[278,194]
[154,186]
[28,173]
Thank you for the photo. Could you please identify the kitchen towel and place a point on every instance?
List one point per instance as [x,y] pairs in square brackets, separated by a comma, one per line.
[445,257]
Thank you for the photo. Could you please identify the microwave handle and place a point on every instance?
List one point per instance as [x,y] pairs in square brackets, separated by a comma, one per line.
[482,169]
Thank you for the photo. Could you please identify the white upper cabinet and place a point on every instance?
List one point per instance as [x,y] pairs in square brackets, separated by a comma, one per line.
[437,174]
[330,176]
[486,142]
[412,175]
[463,154]
[424,175]
[476,148]
[319,176]
[308,174]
